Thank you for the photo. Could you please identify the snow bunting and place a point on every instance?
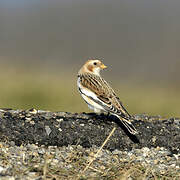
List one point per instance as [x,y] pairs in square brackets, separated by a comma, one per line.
[99,95]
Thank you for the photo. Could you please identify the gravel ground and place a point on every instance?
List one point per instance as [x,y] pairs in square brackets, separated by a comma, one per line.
[37,162]
[59,145]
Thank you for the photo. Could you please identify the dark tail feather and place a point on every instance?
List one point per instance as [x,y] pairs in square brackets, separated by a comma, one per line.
[129,126]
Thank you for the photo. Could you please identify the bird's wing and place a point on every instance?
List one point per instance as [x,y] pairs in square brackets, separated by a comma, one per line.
[105,95]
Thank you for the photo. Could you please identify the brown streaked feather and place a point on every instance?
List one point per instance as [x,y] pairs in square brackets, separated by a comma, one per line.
[105,93]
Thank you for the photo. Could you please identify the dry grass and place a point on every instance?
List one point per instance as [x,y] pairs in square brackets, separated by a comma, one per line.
[38,165]
[115,171]
[100,149]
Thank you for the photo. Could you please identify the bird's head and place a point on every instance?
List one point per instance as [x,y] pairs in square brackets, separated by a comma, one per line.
[93,66]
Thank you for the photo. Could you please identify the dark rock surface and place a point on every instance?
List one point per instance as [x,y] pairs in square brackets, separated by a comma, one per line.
[63,129]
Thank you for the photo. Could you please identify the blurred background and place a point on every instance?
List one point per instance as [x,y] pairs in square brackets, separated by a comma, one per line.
[43,43]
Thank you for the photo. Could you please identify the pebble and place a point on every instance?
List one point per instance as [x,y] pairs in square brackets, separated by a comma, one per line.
[48,130]
[1,169]
[59,120]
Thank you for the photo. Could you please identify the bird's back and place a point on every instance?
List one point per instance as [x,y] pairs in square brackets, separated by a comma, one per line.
[104,93]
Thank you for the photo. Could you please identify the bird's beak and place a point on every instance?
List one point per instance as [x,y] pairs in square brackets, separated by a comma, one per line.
[103,66]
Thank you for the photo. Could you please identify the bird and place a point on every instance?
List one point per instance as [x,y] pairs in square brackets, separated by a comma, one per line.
[99,95]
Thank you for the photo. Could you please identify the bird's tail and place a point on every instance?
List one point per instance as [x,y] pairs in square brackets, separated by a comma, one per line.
[129,126]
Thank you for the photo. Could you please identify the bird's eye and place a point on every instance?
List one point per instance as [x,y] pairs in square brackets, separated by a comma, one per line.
[95,63]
